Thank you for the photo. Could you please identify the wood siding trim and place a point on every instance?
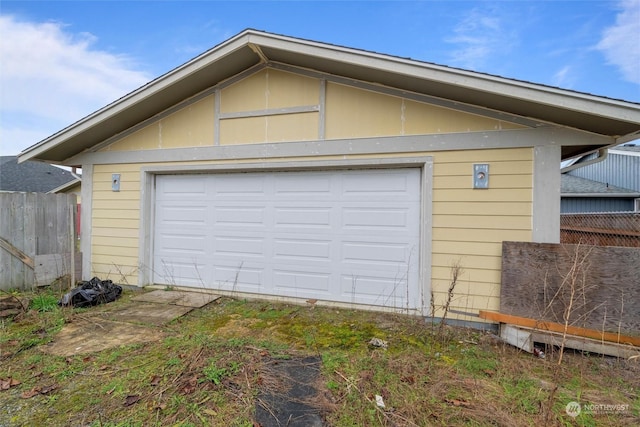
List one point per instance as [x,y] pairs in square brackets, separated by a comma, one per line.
[546,194]
[383,145]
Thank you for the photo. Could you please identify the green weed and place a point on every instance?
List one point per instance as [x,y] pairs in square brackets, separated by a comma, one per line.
[44,302]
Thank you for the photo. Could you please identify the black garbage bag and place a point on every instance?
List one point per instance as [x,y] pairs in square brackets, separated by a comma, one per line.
[92,292]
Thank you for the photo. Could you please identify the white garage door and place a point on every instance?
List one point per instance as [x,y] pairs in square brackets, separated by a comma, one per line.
[348,236]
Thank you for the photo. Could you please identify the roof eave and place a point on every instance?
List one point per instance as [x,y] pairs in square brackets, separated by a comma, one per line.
[144,92]
[615,118]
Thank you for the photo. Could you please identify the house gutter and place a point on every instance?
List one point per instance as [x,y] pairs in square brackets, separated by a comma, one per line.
[602,155]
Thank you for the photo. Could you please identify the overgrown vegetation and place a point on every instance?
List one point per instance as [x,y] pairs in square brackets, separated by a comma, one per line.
[206,369]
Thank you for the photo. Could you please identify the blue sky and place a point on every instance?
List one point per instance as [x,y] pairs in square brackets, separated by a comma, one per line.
[60,61]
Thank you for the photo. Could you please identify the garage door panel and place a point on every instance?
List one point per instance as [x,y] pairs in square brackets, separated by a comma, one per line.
[183,243]
[172,214]
[242,277]
[375,218]
[302,249]
[237,186]
[181,187]
[314,185]
[302,217]
[239,246]
[375,253]
[181,270]
[384,291]
[393,184]
[349,236]
[300,283]
[239,216]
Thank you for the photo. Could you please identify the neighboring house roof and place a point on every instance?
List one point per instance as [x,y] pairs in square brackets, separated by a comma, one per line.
[35,177]
[573,186]
[618,121]
[628,150]
[66,186]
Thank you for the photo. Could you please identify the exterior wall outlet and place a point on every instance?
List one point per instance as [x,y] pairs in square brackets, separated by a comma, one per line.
[481,175]
[115,182]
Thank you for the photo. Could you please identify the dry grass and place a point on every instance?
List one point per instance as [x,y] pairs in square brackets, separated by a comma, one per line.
[215,362]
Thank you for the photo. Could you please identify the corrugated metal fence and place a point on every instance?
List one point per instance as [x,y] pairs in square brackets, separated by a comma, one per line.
[601,229]
[37,232]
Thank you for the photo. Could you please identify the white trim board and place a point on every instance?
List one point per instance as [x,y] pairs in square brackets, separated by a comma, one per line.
[377,145]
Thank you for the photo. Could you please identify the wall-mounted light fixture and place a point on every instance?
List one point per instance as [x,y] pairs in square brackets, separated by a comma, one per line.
[115,182]
[481,175]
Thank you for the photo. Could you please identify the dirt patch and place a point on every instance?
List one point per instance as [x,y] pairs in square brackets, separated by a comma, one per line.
[91,335]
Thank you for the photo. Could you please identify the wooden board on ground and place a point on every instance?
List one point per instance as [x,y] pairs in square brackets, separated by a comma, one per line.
[599,283]
[524,338]
[542,325]
[146,313]
[182,298]
[92,335]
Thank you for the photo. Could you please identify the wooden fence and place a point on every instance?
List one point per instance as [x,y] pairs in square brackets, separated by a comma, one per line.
[595,287]
[37,239]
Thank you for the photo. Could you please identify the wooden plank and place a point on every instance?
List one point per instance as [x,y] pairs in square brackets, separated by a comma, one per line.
[24,258]
[523,338]
[6,259]
[585,344]
[557,327]
[50,267]
[537,282]
[30,224]
[516,337]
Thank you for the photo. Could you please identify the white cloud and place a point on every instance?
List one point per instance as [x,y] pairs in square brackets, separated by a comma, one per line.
[51,78]
[564,77]
[620,43]
[479,35]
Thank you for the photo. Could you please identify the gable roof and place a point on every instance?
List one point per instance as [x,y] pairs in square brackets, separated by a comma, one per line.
[603,116]
[29,177]
[574,186]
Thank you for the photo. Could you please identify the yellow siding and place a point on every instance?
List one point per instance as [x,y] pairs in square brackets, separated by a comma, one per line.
[115,223]
[269,89]
[348,107]
[469,225]
[192,126]
[279,128]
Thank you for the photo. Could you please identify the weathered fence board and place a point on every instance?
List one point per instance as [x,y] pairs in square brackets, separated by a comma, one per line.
[593,287]
[50,267]
[34,224]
